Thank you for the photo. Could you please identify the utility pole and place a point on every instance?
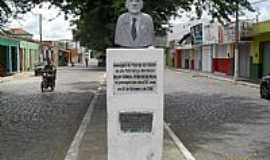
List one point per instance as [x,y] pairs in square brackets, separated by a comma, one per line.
[258,13]
[236,52]
[40,27]
[40,39]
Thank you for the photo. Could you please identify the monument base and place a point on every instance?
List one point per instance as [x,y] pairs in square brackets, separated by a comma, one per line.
[135,104]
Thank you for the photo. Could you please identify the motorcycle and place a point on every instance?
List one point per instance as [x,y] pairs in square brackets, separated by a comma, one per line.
[48,78]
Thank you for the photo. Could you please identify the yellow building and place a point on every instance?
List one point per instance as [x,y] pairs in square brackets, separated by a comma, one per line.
[260,51]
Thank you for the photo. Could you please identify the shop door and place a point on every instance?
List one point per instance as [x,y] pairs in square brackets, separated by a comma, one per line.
[244,61]
[197,59]
[207,59]
[266,58]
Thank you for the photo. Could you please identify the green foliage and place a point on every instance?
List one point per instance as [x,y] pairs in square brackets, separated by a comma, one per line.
[95,27]
[96,19]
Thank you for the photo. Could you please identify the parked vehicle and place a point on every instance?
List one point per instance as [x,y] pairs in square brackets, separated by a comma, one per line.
[48,77]
[38,68]
[265,87]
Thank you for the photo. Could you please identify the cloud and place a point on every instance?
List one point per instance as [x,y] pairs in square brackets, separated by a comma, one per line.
[54,26]
[59,28]
[262,10]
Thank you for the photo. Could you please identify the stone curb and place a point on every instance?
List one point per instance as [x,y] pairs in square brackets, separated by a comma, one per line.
[185,152]
[17,76]
[207,75]
[73,151]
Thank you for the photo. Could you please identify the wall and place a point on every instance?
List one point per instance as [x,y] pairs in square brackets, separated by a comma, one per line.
[30,52]
[223,60]
[262,27]
[210,33]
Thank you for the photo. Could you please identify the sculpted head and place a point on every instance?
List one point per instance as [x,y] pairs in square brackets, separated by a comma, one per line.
[134,6]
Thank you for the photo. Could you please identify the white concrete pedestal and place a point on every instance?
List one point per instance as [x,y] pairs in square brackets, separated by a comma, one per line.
[135,104]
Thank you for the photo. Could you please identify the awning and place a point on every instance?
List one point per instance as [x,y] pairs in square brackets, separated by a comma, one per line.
[187,37]
[4,41]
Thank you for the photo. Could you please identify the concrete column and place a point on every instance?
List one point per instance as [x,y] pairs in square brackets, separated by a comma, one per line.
[9,59]
[18,59]
[237,38]
[23,62]
[236,64]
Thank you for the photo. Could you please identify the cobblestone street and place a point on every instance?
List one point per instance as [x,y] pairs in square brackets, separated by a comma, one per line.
[217,120]
[41,126]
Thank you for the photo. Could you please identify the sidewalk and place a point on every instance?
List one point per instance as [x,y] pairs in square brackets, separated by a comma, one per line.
[16,76]
[93,145]
[217,77]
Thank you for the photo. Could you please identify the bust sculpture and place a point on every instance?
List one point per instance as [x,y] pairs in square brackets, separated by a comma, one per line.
[134,29]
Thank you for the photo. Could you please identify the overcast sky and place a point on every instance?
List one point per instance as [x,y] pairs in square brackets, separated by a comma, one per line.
[55,29]
[60,29]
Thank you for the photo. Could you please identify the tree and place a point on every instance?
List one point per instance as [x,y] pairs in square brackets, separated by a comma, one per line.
[96,19]
[11,8]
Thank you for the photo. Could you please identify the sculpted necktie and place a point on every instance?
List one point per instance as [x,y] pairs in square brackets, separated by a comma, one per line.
[133,29]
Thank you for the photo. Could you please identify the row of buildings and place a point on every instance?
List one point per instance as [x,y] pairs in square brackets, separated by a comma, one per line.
[210,47]
[19,52]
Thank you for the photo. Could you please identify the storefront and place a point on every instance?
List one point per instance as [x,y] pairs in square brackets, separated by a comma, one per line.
[29,55]
[244,60]
[266,58]
[178,58]
[223,59]
[260,51]
[9,57]
[186,58]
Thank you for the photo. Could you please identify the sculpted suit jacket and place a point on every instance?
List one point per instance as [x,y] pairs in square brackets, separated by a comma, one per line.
[145,31]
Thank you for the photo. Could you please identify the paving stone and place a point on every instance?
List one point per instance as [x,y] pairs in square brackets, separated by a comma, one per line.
[41,126]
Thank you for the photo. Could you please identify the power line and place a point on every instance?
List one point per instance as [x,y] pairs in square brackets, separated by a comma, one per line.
[259,1]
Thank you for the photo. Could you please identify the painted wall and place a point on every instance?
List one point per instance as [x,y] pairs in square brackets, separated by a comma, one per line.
[223,59]
[210,33]
[30,52]
[262,27]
